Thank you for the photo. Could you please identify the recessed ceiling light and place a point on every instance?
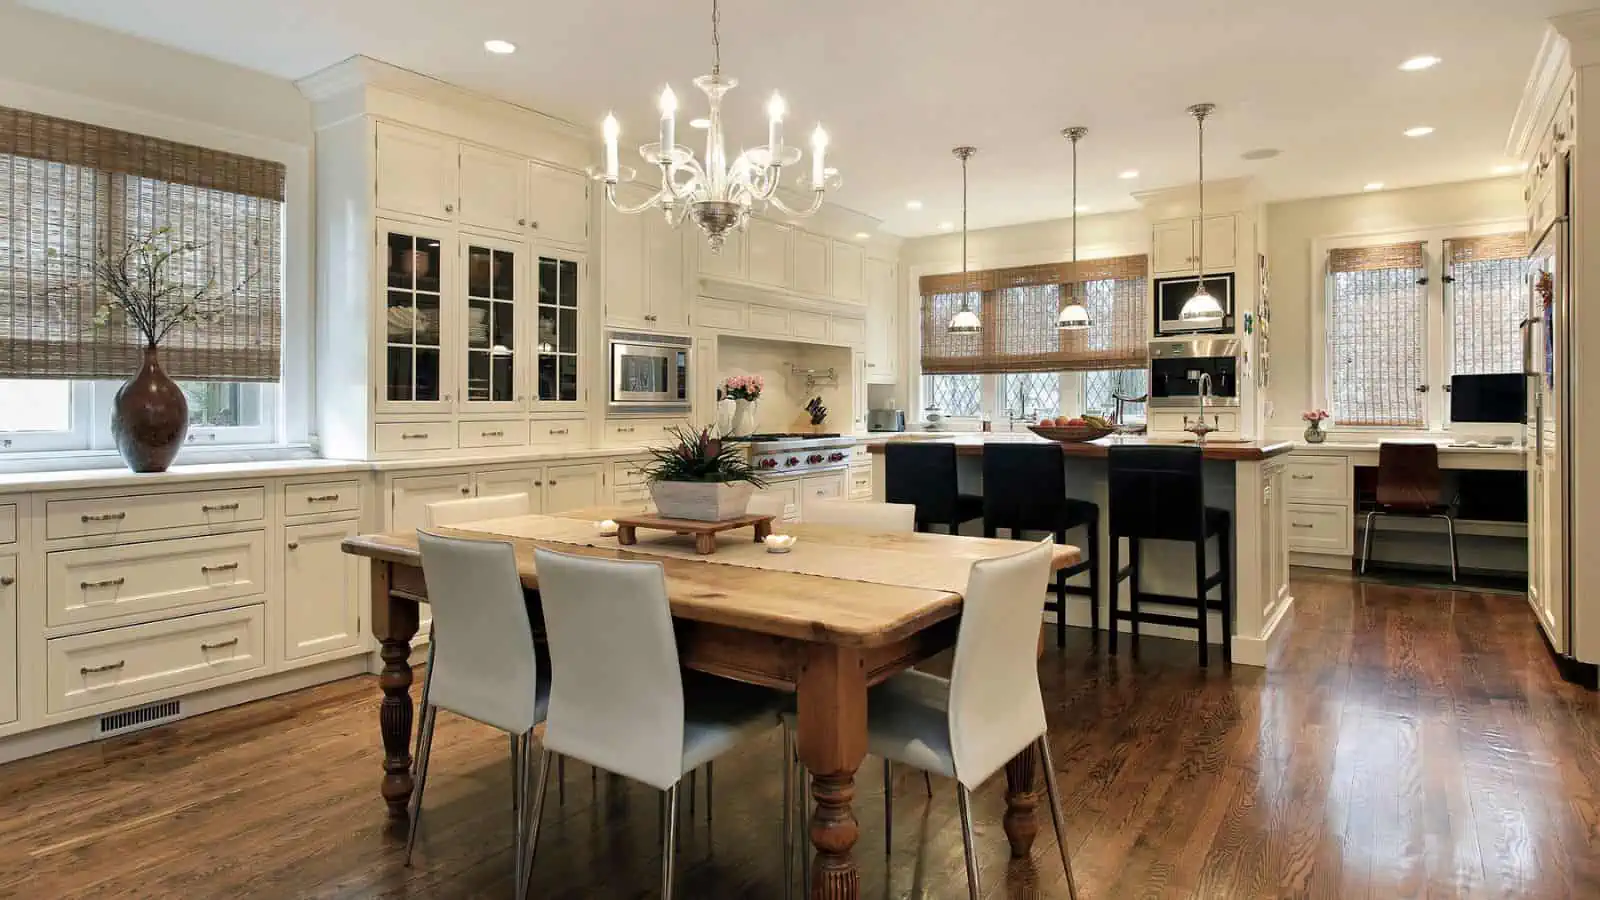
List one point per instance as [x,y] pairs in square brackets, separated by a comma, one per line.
[499,46]
[1261,153]
[947,226]
[1510,168]
[913,205]
[1128,173]
[862,235]
[1419,131]
[1418,63]
[701,124]
[1372,186]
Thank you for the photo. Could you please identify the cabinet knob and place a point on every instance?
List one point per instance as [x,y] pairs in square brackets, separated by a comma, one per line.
[540,483]
[449,207]
[522,222]
[447,398]
[294,545]
[466,490]
[552,482]
[7,581]
[534,224]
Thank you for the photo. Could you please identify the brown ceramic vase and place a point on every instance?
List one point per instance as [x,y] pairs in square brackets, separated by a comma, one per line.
[150,418]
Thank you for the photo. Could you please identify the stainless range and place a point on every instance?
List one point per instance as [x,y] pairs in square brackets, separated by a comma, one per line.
[798,454]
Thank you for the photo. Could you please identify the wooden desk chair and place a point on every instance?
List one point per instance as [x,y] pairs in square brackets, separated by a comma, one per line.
[1411,484]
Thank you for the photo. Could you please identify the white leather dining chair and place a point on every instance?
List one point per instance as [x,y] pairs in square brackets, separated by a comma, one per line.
[488,670]
[619,699]
[863,515]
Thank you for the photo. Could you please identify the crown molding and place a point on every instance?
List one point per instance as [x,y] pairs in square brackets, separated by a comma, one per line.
[1551,72]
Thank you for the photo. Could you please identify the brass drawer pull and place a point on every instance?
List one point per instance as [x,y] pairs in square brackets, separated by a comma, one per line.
[325,498]
[1300,525]
[219,645]
[220,507]
[104,517]
[410,436]
[628,430]
[224,567]
[491,434]
[109,582]
[108,667]
[1302,477]
[558,431]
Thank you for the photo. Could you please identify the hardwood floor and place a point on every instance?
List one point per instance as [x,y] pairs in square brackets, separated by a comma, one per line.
[1406,742]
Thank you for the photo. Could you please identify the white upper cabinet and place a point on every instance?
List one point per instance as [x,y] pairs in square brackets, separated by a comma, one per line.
[1174,245]
[416,172]
[494,192]
[558,205]
[811,263]
[416,318]
[882,320]
[492,340]
[664,271]
[1222,243]
[768,253]
[623,260]
[729,263]
[847,272]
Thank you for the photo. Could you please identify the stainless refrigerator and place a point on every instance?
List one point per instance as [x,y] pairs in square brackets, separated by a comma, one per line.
[1547,438]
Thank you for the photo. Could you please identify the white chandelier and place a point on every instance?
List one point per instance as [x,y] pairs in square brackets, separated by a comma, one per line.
[718,194]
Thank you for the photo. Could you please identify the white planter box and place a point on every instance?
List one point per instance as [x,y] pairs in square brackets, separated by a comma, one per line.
[701,501]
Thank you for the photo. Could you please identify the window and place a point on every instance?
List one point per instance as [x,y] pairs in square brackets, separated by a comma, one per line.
[1402,317]
[954,395]
[1101,390]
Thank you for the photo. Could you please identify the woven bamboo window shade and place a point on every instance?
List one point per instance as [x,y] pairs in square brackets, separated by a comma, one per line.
[69,191]
[1488,301]
[1377,327]
[1018,308]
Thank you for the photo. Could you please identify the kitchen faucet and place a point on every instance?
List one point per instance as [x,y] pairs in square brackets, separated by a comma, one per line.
[1200,429]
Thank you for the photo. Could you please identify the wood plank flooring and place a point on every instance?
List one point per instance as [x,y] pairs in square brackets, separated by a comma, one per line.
[1405,742]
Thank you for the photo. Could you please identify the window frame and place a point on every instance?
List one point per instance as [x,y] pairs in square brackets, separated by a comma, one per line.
[1073,388]
[1438,348]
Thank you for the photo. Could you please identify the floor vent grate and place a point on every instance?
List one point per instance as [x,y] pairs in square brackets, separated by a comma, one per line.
[139,717]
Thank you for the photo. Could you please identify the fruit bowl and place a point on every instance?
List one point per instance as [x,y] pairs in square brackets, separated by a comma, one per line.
[1072,433]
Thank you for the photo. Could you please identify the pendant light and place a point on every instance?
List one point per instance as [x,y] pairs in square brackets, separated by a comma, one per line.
[965,321]
[1074,316]
[1202,308]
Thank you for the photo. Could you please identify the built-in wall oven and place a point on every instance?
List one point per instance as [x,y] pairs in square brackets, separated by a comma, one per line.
[1176,367]
[649,373]
[1172,293]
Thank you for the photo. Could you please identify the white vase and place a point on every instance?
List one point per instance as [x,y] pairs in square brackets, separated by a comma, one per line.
[744,417]
[725,408]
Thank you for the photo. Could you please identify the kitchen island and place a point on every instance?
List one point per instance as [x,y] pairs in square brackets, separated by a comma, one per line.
[1243,477]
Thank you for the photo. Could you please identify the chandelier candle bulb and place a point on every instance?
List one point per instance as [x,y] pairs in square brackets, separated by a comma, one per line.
[611,130]
[775,111]
[819,145]
[669,125]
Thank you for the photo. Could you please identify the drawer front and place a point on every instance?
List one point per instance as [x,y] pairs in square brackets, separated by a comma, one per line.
[860,484]
[808,325]
[859,455]
[642,431]
[849,331]
[495,433]
[1319,529]
[8,523]
[106,582]
[719,314]
[119,663]
[120,515]
[559,433]
[766,320]
[628,474]
[305,498]
[632,497]
[1318,478]
[407,437]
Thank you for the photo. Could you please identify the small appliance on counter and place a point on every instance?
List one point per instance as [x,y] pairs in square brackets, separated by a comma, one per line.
[1177,364]
[886,420]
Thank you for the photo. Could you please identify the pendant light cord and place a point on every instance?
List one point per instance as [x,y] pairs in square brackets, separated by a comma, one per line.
[716,39]
[964,290]
[1200,260]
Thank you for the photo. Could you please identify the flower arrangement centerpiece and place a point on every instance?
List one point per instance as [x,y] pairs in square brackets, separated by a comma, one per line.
[701,477]
[1314,419]
[745,392]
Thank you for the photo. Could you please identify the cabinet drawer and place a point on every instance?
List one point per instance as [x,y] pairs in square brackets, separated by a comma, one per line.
[1318,478]
[766,320]
[8,523]
[641,431]
[559,433]
[720,314]
[120,515]
[404,437]
[628,474]
[305,498]
[849,331]
[860,483]
[492,433]
[106,582]
[103,666]
[632,497]
[808,325]
[1318,528]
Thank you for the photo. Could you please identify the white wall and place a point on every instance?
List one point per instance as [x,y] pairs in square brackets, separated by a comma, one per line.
[62,68]
[783,401]
[1293,226]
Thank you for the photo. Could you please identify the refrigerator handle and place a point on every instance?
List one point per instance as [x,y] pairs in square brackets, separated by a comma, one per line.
[1526,327]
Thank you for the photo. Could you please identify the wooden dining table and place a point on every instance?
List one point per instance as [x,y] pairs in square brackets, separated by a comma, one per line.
[842,612]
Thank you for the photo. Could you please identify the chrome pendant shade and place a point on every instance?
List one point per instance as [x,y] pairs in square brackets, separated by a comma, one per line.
[1074,314]
[718,193]
[1202,308]
[965,321]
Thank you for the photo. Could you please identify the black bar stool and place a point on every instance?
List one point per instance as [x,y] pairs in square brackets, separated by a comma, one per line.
[1025,489]
[1159,493]
[924,475]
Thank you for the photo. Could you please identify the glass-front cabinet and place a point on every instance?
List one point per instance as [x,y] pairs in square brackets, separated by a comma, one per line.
[493,288]
[558,349]
[415,357]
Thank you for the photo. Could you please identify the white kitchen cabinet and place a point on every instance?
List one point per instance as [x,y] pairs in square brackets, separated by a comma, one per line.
[858,389]
[767,256]
[1174,245]
[558,205]
[410,495]
[321,589]
[558,344]
[492,334]
[527,480]
[883,339]
[664,273]
[8,638]
[826,486]
[494,190]
[415,318]
[726,263]
[574,487]
[789,489]
[416,172]
[811,260]
[1274,561]
[847,271]
[644,269]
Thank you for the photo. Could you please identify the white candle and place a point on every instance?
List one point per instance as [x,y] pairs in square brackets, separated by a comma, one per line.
[611,129]
[669,110]
[775,111]
[819,145]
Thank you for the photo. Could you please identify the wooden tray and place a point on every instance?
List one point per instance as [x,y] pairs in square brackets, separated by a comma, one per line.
[705,533]
[1070,434]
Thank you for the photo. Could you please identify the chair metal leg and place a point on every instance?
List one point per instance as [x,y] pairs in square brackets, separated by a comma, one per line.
[535,813]
[427,685]
[429,716]
[669,843]
[1055,812]
[516,773]
[1366,541]
[1204,619]
[1061,599]
[965,798]
[1450,525]
[927,782]
[520,790]
[888,808]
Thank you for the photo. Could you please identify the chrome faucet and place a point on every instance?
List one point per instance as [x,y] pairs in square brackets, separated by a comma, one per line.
[1199,428]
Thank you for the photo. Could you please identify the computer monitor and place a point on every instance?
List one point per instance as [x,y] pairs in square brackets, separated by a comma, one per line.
[1489,398]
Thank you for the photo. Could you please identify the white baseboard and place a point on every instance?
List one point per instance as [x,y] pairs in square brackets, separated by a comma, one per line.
[1247,651]
[1340,561]
[1253,651]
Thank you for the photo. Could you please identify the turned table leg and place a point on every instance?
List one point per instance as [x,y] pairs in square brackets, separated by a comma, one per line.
[833,742]
[1021,821]
[394,624]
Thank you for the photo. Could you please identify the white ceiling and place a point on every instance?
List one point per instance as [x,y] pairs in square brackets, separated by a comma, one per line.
[898,83]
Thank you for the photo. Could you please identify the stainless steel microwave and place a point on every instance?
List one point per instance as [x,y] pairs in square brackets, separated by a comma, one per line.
[1172,293]
[649,372]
